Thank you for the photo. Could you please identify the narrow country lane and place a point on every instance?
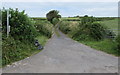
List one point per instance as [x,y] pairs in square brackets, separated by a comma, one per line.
[64,55]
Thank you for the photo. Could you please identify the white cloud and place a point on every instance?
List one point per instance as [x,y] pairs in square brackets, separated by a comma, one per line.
[102,9]
[59,0]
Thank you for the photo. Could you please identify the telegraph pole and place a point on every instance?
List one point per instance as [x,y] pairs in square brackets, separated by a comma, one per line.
[8,26]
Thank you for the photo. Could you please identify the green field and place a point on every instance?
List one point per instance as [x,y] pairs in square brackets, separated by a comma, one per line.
[112,24]
[39,18]
[70,19]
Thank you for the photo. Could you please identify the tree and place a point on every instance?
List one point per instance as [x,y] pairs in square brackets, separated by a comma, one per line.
[53,14]
[86,16]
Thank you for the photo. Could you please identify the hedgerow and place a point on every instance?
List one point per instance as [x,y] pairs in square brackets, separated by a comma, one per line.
[44,27]
[64,27]
[15,50]
[92,29]
[22,27]
[20,43]
[88,29]
[118,43]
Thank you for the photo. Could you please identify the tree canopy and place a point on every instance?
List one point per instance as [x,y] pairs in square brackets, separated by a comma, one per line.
[53,14]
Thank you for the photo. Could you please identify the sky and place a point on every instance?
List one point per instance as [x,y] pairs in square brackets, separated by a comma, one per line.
[59,0]
[40,9]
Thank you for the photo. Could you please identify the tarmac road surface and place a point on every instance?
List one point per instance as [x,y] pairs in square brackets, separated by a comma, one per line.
[64,55]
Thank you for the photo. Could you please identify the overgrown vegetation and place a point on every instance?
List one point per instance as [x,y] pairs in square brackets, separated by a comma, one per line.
[64,26]
[55,21]
[14,50]
[44,27]
[118,43]
[21,26]
[92,33]
[112,24]
[24,31]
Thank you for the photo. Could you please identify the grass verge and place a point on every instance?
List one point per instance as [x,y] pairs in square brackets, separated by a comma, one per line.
[42,39]
[106,45]
[15,50]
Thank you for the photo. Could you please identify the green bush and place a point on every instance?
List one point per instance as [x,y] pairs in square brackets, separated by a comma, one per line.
[93,29]
[55,21]
[22,27]
[44,27]
[88,29]
[87,19]
[19,44]
[64,27]
[118,43]
[15,50]
[97,31]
